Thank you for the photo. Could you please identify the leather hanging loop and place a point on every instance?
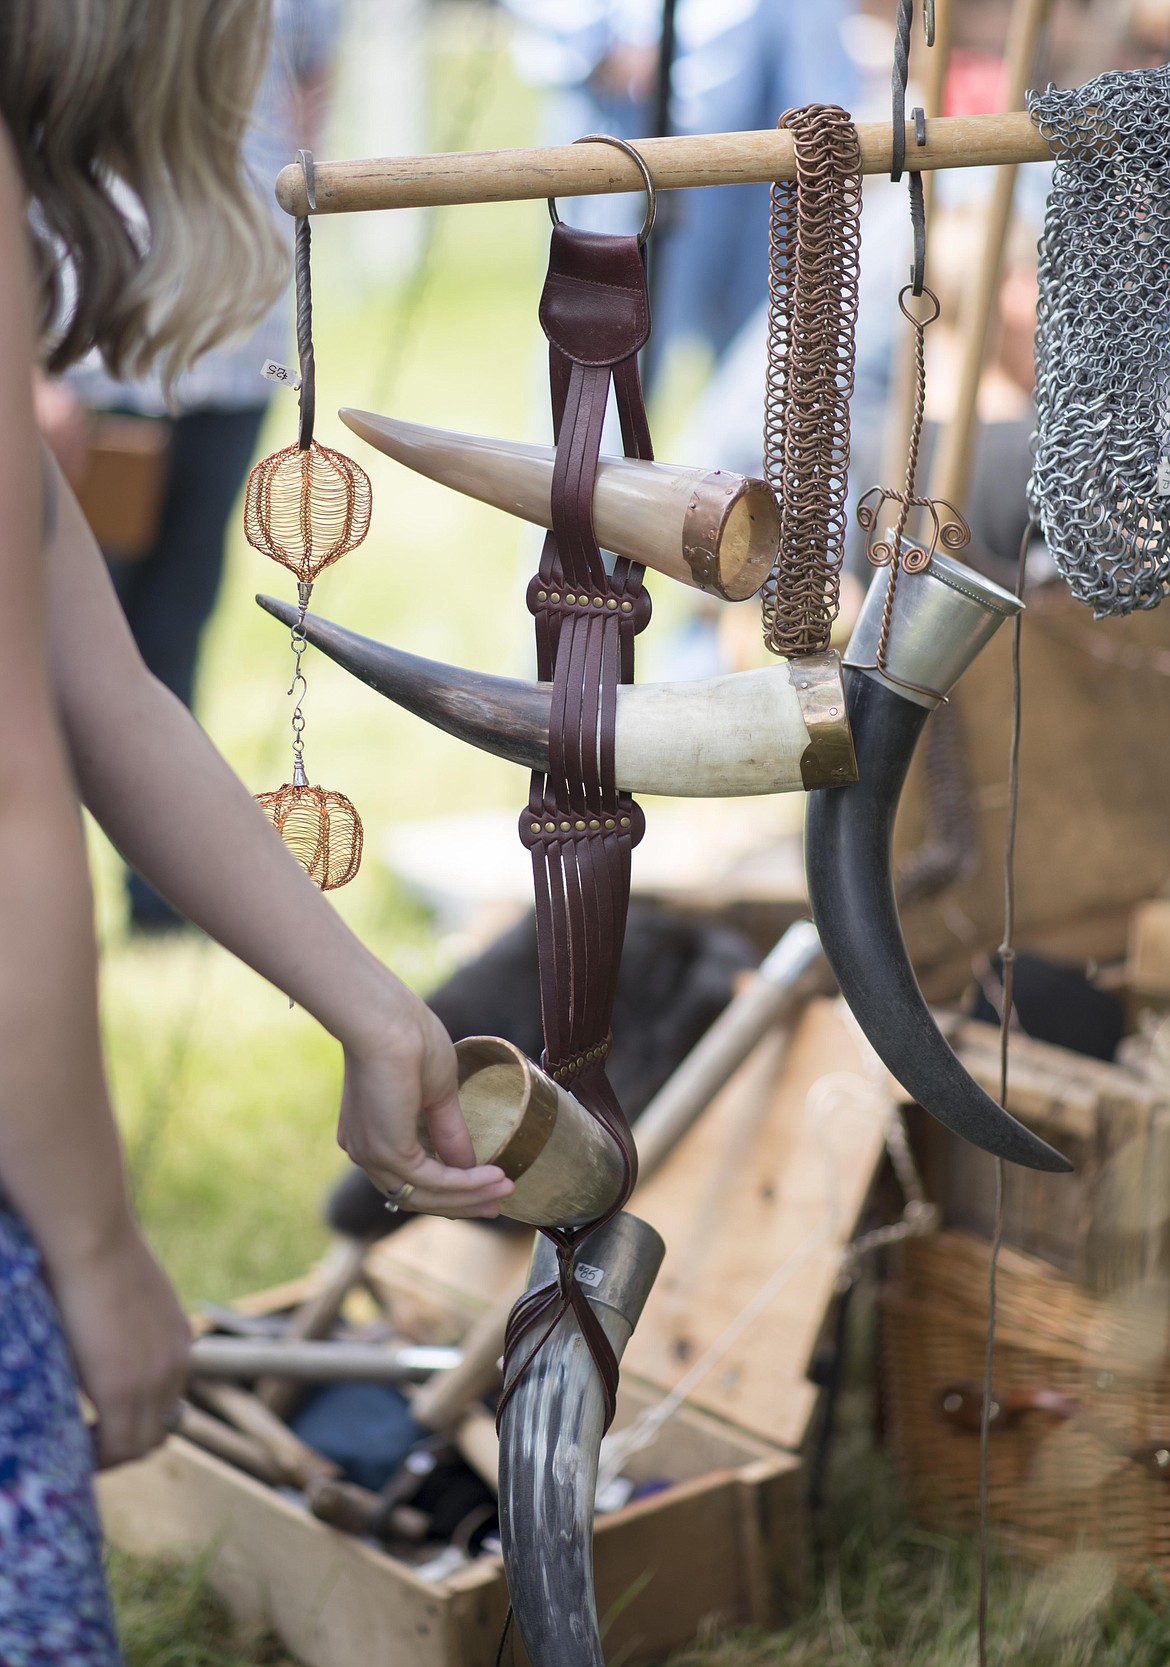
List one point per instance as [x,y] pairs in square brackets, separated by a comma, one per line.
[579,829]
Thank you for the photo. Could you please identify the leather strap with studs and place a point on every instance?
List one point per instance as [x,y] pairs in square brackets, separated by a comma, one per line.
[579,829]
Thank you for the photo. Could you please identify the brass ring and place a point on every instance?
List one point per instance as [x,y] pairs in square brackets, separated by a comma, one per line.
[395,1200]
[636,157]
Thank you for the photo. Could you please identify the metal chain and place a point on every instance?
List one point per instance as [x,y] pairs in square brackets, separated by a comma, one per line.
[1100,484]
[815,246]
[299,687]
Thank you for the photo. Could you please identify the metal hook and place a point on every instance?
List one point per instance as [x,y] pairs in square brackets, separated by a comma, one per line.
[309,169]
[918,211]
[304,288]
[901,74]
[639,161]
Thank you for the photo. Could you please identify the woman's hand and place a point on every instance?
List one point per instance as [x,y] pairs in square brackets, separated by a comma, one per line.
[130,1341]
[406,1071]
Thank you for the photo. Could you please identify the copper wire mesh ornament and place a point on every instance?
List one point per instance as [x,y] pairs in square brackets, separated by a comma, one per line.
[321,829]
[306,506]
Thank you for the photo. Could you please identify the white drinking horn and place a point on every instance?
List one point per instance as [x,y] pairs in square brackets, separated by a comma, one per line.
[706,527]
[779,729]
[567,1168]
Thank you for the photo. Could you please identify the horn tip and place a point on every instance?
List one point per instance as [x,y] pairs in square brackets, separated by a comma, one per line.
[273,605]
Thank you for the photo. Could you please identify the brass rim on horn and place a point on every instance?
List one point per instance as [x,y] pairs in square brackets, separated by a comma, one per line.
[829,759]
[730,534]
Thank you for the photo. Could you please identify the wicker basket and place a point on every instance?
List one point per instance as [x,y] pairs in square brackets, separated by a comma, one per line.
[1079,1452]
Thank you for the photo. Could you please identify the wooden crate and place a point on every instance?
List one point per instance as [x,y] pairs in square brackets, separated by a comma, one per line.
[722,1547]
[766,1180]
[1108,1224]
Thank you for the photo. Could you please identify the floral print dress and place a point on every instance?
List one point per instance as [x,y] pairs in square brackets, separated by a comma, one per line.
[54,1607]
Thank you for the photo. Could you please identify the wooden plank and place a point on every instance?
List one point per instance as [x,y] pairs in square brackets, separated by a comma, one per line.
[332,1600]
[750,1187]
[1107,1224]
[435,1276]
[1094,789]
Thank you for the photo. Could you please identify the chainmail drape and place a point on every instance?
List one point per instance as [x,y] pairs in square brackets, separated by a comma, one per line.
[1100,485]
[814,258]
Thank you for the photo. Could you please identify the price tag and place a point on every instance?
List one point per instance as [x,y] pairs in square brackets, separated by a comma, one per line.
[273,371]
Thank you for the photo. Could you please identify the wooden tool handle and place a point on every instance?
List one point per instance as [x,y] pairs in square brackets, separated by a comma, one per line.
[297,1462]
[314,1318]
[440,1404]
[244,1451]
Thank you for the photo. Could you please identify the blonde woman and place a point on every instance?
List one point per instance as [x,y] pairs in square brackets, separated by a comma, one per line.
[98,97]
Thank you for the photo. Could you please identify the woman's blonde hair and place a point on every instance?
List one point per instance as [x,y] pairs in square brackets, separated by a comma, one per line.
[128,117]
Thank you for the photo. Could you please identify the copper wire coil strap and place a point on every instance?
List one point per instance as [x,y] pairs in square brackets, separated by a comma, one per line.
[815,248]
[579,829]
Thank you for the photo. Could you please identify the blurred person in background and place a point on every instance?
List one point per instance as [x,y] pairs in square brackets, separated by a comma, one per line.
[100,105]
[737,65]
[190,453]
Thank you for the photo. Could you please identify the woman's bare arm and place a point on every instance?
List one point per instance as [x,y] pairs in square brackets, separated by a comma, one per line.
[178,814]
[60,1160]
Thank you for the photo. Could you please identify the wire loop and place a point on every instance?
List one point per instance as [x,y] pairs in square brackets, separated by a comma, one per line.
[636,157]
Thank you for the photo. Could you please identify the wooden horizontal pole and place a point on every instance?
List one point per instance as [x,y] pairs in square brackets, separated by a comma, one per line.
[589,170]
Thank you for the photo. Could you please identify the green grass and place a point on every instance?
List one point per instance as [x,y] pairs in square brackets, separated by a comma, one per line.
[168,1617]
[891,1594]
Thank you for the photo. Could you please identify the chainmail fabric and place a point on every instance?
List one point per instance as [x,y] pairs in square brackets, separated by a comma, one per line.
[813,274]
[1100,484]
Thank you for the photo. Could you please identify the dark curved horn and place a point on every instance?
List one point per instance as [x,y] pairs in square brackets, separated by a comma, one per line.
[550,1438]
[942,618]
[501,715]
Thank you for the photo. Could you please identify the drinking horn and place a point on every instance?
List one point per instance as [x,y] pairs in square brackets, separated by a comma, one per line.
[550,1437]
[705,527]
[778,729]
[566,1167]
[942,616]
